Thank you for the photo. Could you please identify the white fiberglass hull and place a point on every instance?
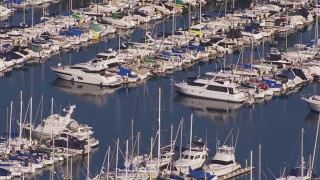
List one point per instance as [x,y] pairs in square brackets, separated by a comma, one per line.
[88,78]
[183,167]
[312,104]
[220,170]
[201,92]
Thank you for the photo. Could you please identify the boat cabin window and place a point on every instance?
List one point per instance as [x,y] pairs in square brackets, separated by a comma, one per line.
[74,67]
[186,157]
[230,90]
[221,162]
[207,76]
[197,157]
[217,88]
[195,84]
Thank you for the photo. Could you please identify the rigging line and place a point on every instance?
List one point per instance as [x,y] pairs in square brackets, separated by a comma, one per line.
[25,116]
[228,136]
[38,109]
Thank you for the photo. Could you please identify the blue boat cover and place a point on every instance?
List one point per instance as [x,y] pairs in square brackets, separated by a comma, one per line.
[289,74]
[126,72]
[4,172]
[71,32]
[200,174]
[15,1]
[271,83]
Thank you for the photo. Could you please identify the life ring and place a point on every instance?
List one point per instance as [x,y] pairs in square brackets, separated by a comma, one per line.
[42,54]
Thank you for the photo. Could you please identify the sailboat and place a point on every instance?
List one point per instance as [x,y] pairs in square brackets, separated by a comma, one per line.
[165,154]
[193,157]
[301,171]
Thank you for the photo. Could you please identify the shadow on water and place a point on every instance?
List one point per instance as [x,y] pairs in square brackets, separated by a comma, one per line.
[91,93]
[211,109]
[312,116]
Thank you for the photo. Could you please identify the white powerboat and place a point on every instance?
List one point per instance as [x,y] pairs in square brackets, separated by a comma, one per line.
[223,162]
[218,86]
[193,157]
[313,102]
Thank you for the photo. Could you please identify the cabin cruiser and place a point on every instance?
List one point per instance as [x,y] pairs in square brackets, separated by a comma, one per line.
[313,102]
[95,72]
[193,157]
[275,57]
[211,85]
[75,145]
[223,162]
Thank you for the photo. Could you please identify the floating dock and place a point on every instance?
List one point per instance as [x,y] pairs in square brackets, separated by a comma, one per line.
[236,173]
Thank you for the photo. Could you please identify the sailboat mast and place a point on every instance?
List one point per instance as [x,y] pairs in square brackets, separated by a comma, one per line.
[190,140]
[317,27]
[315,148]
[200,14]
[108,167]
[51,106]
[259,173]
[32,13]
[10,119]
[132,138]
[138,147]
[88,162]
[181,133]
[251,58]
[159,130]
[20,124]
[251,178]
[302,158]
[127,144]
[117,156]
[30,130]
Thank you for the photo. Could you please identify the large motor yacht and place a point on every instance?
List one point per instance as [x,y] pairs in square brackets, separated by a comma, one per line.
[211,85]
[97,71]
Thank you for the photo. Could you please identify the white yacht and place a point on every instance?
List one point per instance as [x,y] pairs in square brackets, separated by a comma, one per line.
[193,157]
[223,162]
[95,72]
[313,102]
[55,124]
[218,86]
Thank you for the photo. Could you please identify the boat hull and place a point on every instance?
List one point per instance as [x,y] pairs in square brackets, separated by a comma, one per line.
[183,88]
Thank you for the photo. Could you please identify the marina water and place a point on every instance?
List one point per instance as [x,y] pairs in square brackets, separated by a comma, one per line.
[275,123]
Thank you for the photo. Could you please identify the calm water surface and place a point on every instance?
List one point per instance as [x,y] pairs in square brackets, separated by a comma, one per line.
[275,123]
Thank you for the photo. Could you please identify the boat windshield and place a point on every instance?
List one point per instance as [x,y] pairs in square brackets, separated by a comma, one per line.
[207,76]
[297,172]
[221,162]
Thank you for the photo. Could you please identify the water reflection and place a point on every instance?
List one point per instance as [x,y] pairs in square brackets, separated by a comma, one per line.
[312,116]
[214,110]
[88,92]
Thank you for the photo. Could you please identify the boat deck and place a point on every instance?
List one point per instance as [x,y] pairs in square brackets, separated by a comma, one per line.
[236,173]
